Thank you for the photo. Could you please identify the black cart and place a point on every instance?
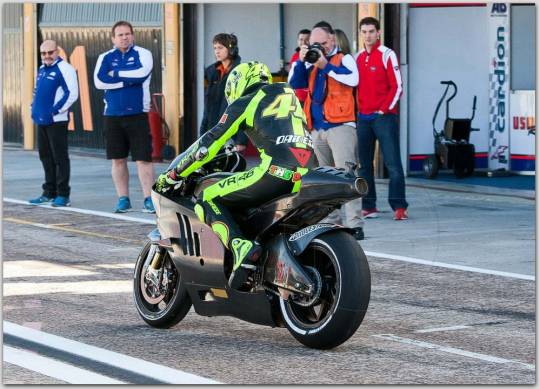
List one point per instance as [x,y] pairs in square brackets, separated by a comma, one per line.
[452,147]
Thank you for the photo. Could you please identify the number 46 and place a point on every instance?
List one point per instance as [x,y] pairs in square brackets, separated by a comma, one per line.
[283,105]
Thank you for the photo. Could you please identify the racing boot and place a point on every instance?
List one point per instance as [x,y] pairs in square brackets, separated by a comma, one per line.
[246,253]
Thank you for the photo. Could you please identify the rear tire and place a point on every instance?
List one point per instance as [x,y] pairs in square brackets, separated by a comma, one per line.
[430,165]
[172,304]
[345,293]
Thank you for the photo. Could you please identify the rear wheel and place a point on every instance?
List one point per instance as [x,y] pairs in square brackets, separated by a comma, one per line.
[160,297]
[431,166]
[340,268]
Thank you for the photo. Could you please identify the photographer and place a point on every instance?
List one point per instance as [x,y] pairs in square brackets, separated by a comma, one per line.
[330,78]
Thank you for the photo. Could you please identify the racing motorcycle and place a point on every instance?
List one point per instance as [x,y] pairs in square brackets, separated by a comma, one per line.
[313,278]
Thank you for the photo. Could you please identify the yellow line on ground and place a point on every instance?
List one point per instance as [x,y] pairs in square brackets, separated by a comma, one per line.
[66,229]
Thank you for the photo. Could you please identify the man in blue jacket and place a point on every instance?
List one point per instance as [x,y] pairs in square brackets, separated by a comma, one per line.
[330,77]
[124,74]
[56,90]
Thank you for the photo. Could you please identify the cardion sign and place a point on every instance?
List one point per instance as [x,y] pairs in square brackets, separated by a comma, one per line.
[499,77]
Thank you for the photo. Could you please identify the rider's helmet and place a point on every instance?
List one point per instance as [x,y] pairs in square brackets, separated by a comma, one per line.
[245,75]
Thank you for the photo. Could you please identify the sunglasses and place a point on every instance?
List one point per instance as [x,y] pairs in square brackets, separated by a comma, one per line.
[47,52]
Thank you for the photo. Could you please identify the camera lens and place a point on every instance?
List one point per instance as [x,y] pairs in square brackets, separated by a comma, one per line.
[313,54]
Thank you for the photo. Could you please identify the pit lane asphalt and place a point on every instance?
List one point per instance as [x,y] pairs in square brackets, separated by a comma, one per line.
[90,255]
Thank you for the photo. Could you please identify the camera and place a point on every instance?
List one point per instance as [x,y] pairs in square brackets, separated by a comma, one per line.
[312,54]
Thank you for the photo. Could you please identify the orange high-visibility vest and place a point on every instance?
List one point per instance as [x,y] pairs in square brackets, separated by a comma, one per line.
[338,106]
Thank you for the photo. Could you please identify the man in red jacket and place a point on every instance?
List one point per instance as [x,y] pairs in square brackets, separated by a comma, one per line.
[302,39]
[377,96]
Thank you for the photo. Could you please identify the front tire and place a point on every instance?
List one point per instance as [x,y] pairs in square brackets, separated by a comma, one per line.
[346,287]
[167,305]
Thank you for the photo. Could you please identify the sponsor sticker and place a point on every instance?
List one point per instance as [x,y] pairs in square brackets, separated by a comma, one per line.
[305,231]
[301,155]
[305,140]
[284,174]
[223,118]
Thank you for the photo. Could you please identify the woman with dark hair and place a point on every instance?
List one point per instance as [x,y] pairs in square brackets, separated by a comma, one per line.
[342,41]
[215,77]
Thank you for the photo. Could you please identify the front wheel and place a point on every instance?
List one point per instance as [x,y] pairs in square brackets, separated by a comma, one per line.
[342,272]
[160,297]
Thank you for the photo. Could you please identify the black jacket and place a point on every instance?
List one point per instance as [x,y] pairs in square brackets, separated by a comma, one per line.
[214,96]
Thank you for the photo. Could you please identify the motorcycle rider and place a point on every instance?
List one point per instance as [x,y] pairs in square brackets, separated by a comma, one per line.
[272,117]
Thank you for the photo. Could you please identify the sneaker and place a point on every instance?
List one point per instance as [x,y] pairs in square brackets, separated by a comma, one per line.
[246,253]
[371,213]
[401,214]
[148,206]
[358,233]
[61,201]
[123,205]
[41,200]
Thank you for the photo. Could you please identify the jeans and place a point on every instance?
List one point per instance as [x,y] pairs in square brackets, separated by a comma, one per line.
[385,129]
[53,152]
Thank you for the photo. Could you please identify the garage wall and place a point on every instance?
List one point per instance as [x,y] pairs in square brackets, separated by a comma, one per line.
[447,43]
[299,16]
[523,43]
[12,41]
[255,25]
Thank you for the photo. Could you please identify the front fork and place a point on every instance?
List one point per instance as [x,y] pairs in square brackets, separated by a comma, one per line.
[154,272]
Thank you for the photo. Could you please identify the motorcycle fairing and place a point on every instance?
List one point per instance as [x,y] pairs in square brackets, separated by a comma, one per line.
[323,190]
[199,257]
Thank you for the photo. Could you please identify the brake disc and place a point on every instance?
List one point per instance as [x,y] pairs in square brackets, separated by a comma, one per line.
[150,286]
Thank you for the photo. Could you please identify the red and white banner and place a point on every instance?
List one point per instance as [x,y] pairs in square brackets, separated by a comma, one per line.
[523,126]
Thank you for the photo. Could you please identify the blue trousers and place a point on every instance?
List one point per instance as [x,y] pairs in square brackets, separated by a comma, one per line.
[383,128]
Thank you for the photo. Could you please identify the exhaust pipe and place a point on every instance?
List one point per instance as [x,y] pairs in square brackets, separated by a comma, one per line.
[361,186]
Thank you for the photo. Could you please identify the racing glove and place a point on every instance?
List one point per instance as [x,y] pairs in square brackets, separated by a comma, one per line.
[168,180]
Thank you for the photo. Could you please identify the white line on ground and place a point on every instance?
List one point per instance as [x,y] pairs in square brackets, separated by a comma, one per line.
[55,369]
[450,266]
[84,211]
[116,265]
[24,288]
[456,351]
[370,253]
[111,358]
[33,268]
[442,329]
